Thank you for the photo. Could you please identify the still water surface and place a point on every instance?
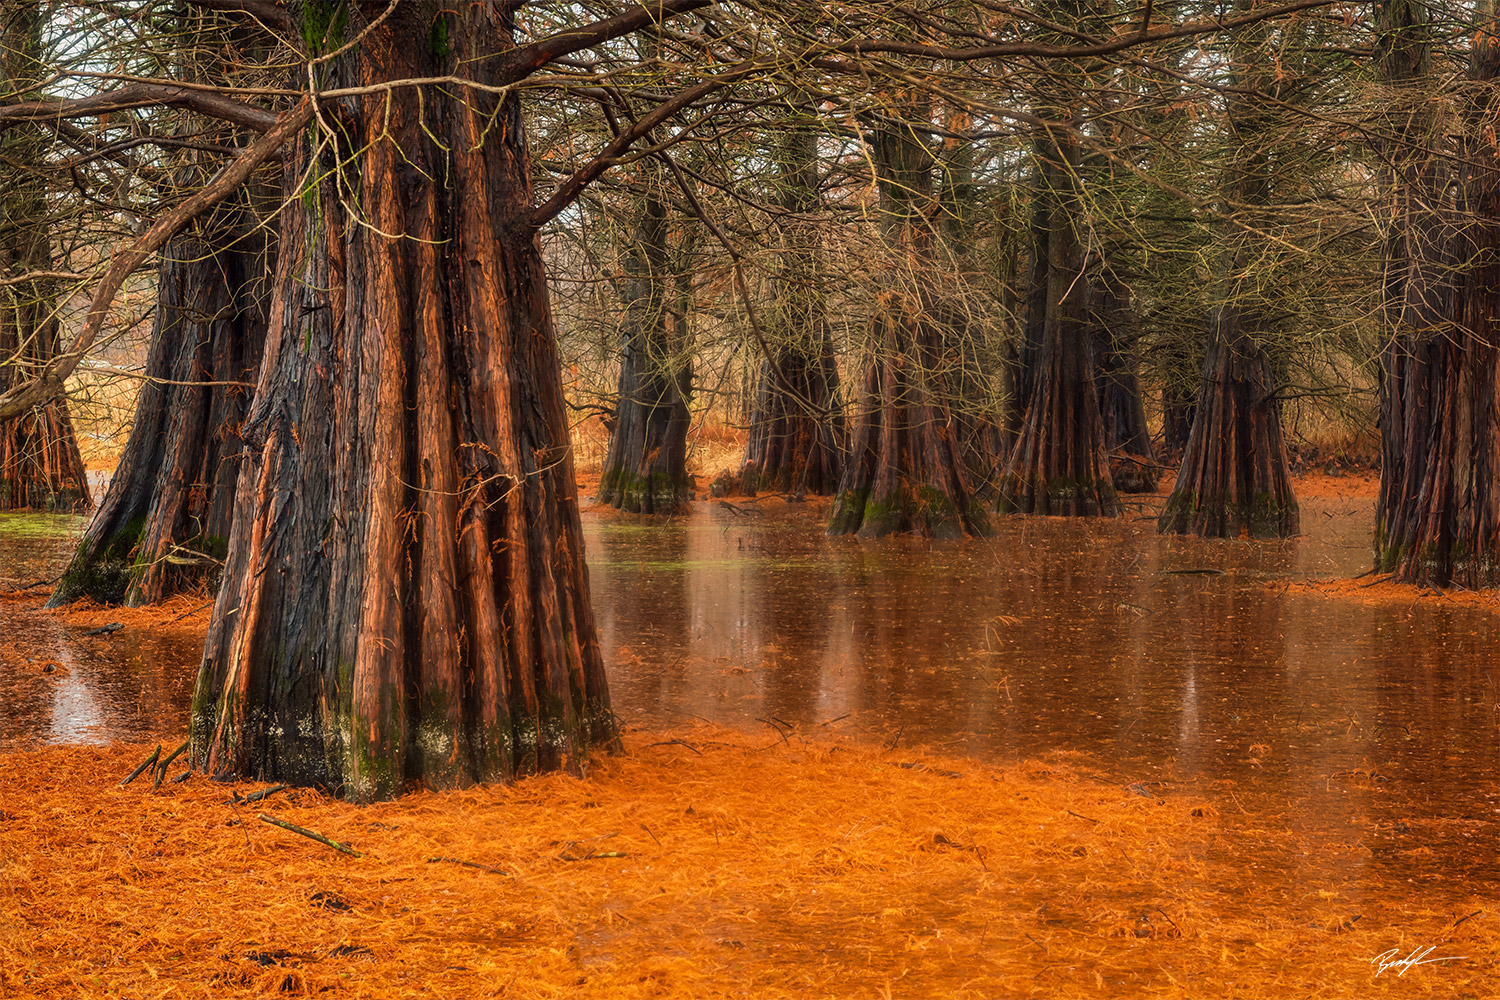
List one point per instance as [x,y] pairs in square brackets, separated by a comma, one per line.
[1372,725]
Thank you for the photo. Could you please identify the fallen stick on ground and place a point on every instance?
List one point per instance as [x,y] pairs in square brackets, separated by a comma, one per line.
[264,793]
[309,834]
[202,607]
[468,864]
[142,766]
[161,769]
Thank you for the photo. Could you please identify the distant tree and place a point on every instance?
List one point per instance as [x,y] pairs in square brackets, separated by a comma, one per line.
[40,464]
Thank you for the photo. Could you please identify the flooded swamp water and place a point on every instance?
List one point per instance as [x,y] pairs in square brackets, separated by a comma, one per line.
[1170,666]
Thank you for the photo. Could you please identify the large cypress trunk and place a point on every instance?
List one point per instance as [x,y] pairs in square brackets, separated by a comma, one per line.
[796,427]
[645,469]
[1059,463]
[905,471]
[1438,514]
[1022,363]
[1235,478]
[405,598]
[163,526]
[40,464]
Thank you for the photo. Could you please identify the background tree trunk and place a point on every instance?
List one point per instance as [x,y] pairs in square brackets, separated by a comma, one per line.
[1021,371]
[905,471]
[1438,514]
[645,469]
[1132,462]
[1235,476]
[405,598]
[796,441]
[1060,464]
[163,526]
[40,465]
[1177,409]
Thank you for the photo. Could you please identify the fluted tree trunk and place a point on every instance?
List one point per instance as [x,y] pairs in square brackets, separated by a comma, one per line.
[405,598]
[1059,463]
[1438,513]
[1021,368]
[163,525]
[905,471]
[41,467]
[1235,477]
[796,440]
[645,468]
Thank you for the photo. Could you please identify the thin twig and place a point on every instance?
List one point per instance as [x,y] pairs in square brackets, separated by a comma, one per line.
[468,864]
[161,769]
[677,743]
[309,834]
[1170,921]
[192,612]
[155,754]
[264,793]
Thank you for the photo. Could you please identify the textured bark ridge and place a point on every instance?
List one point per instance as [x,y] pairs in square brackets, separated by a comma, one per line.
[40,465]
[905,471]
[794,444]
[1059,463]
[405,597]
[1437,520]
[1234,478]
[163,526]
[41,468]
[796,427]
[645,469]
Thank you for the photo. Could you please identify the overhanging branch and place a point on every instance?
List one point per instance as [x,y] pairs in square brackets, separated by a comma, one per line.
[50,383]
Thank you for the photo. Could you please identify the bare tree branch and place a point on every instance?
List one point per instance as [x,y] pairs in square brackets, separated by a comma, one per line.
[140,95]
[54,374]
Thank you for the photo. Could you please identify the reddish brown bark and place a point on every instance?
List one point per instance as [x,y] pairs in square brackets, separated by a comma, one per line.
[794,444]
[905,471]
[1438,513]
[163,526]
[1059,463]
[645,469]
[405,598]
[796,426]
[1235,478]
